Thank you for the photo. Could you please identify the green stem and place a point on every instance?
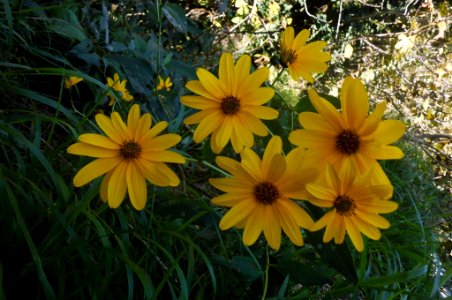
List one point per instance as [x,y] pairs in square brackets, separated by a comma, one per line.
[264,294]
[277,78]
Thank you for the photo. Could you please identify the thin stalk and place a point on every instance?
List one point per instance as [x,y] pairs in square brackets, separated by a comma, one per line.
[264,294]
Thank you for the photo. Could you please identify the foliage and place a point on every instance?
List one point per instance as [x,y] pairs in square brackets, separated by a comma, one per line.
[63,242]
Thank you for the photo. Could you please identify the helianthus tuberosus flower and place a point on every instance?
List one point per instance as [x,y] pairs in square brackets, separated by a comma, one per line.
[164,84]
[120,87]
[351,135]
[71,81]
[231,105]
[300,58]
[259,194]
[356,205]
[128,155]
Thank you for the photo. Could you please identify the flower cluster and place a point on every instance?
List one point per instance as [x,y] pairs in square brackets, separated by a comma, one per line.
[334,163]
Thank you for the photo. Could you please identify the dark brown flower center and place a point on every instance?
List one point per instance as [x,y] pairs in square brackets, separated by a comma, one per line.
[344,205]
[347,142]
[230,105]
[130,150]
[288,56]
[266,193]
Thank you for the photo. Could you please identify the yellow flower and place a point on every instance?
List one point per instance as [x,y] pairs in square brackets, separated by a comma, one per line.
[120,87]
[302,59]
[167,84]
[128,155]
[71,81]
[356,205]
[259,193]
[231,105]
[351,135]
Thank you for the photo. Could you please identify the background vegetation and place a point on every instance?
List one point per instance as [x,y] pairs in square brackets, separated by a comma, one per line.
[60,242]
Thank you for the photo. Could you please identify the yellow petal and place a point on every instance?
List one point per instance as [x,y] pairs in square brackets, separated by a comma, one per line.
[377,206]
[354,234]
[94,169]
[237,214]
[198,116]
[199,102]
[106,125]
[210,123]
[143,128]
[243,133]
[299,214]
[254,124]
[196,87]
[300,39]
[153,172]
[216,148]
[120,126]
[340,232]
[224,131]
[153,132]
[372,122]
[90,150]
[117,185]
[389,131]
[226,71]
[315,121]
[98,140]
[323,221]
[272,227]
[327,110]
[228,200]
[232,185]
[136,185]
[161,142]
[211,83]
[354,102]
[307,138]
[257,96]
[288,224]
[277,168]
[254,225]
[133,119]
[321,192]
[373,219]
[274,146]
[332,227]
[367,229]
[287,37]
[347,175]
[164,156]
[262,112]
[242,70]
[103,191]
[253,82]
[251,163]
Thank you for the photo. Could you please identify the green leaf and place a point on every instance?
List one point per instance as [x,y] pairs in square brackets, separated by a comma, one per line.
[246,267]
[66,24]
[176,16]
[394,278]
[309,277]
[283,288]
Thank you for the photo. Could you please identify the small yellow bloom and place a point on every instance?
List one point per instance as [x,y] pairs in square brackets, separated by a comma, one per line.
[334,137]
[71,81]
[164,84]
[259,194]
[120,87]
[355,202]
[128,155]
[231,105]
[300,58]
